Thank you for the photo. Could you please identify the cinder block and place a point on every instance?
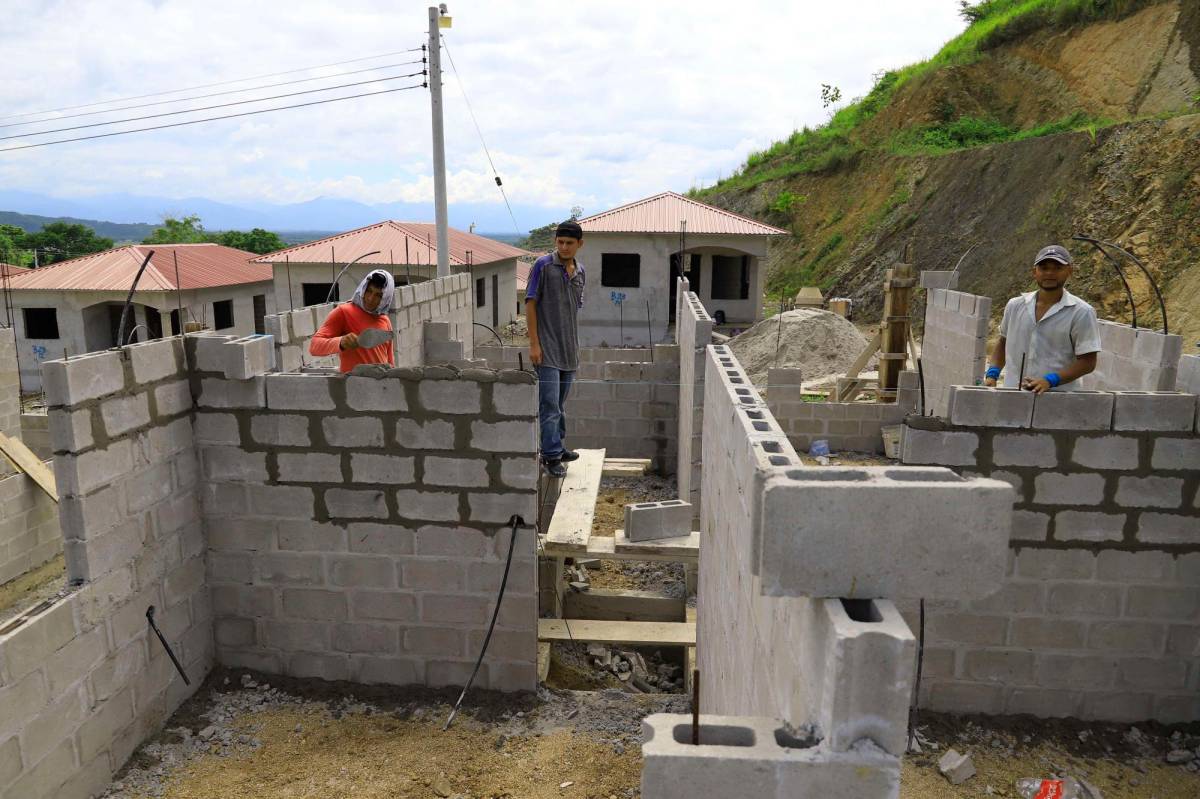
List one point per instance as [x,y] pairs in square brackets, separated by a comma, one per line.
[247,357]
[981,406]
[1071,525]
[302,392]
[353,431]
[450,396]
[650,521]
[938,447]
[82,378]
[277,328]
[278,429]
[432,434]
[219,393]
[371,394]
[761,757]
[172,399]
[70,431]
[1176,453]
[1150,492]
[347,504]
[369,469]
[1051,488]
[309,467]
[504,436]
[124,413]
[513,399]
[466,472]
[1154,410]
[1165,528]
[1024,449]
[818,533]
[156,360]
[1073,410]
[1110,452]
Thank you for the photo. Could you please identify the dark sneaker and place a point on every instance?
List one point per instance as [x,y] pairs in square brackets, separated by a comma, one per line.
[555,468]
[569,456]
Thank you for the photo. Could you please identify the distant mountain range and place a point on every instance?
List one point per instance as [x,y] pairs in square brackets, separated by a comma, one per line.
[322,214]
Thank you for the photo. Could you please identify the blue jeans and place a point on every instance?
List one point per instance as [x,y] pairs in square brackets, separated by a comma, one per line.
[553,386]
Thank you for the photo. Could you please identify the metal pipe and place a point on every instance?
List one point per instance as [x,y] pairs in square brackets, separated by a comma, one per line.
[129,299]
[135,329]
[1120,273]
[1162,305]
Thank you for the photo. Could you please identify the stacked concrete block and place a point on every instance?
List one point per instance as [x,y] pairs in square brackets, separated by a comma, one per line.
[1097,614]
[990,407]
[931,279]
[757,756]
[693,329]
[29,530]
[440,348]
[1188,378]
[10,385]
[847,426]
[35,434]
[236,358]
[652,521]
[1134,359]
[84,682]
[291,332]
[363,521]
[954,346]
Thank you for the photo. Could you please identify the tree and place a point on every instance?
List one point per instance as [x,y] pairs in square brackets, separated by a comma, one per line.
[60,241]
[542,238]
[257,240]
[830,95]
[12,240]
[188,230]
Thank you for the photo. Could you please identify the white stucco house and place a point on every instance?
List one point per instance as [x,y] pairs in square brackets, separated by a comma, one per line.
[305,273]
[633,254]
[75,306]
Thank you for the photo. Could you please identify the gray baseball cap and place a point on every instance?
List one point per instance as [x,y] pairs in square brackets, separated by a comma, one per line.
[1053,252]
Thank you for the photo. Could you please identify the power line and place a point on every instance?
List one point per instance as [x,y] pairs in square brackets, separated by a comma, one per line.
[210,85]
[212,94]
[211,119]
[471,111]
[207,107]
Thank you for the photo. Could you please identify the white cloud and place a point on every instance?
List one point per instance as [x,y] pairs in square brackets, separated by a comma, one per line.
[586,103]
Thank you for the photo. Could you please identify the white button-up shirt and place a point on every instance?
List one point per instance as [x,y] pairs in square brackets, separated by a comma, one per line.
[1067,330]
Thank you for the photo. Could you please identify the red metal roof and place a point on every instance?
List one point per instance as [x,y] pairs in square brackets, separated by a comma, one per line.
[12,269]
[200,266]
[397,243]
[662,213]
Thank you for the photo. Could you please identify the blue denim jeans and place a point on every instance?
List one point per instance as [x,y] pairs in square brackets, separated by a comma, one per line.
[553,386]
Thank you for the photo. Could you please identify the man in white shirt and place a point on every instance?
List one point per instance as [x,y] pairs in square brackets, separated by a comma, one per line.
[1049,338]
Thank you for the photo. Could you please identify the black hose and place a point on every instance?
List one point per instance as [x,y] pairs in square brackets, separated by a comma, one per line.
[494,333]
[514,522]
[1120,273]
[1162,305]
[916,702]
[921,382]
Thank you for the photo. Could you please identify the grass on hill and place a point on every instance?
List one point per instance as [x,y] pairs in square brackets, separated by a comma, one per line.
[834,146]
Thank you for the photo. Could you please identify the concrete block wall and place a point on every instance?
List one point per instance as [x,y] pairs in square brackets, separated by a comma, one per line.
[1099,614]
[83,681]
[853,426]
[1188,378]
[1134,360]
[693,331]
[954,344]
[35,433]
[357,525]
[10,384]
[29,531]
[624,400]
[441,299]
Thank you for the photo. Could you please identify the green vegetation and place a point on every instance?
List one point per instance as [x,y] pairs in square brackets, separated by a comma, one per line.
[541,239]
[785,201]
[190,230]
[58,241]
[837,144]
[117,231]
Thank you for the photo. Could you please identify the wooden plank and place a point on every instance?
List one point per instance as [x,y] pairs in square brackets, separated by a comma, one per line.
[24,460]
[571,525]
[863,359]
[623,471]
[543,661]
[634,633]
[614,605]
[603,547]
[689,664]
[685,545]
[633,461]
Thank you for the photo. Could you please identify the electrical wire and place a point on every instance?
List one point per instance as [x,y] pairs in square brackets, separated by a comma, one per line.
[211,94]
[212,85]
[471,111]
[209,107]
[212,119]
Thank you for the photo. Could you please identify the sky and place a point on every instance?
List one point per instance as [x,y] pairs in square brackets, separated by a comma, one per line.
[584,104]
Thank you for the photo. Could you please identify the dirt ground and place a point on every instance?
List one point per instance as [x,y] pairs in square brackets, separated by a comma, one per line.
[302,739]
[615,494]
[32,587]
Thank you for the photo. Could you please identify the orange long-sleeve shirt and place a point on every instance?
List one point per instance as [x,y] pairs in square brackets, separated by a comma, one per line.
[349,318]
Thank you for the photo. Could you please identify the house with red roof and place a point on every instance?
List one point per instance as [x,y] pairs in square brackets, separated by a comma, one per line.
[633,254]
[75,306]
[308,273]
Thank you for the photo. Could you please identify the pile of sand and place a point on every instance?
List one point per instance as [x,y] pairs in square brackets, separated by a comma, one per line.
[819,343]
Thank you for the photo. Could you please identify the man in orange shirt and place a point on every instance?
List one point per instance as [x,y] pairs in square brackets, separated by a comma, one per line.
[359,330]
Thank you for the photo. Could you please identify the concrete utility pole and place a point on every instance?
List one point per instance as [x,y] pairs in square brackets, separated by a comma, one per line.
[437,20]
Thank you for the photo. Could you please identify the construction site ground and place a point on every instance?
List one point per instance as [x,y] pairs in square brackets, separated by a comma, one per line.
[247,735]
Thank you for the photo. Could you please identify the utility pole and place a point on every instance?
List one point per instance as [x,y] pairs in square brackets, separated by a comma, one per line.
[438,19]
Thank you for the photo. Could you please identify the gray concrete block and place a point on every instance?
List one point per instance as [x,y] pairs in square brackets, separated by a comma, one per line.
[1107,452]
[1071,525]
[348,504]
[278,429]
[818,535]
[504,436]
[1162,411]
[466,472]
[1165,528]
[247,357]
[309,467]
[941,448]
[1150,492]
[171,399]
[650,521]
[371,394]
[517,400]
[450,396]
[220,393]
[369,469]
[1052,488]
[981,406]
[353,431]
[124,413]
[1024,449]
[749,756]
[70,431]
[82,378]
[156,360]
[1176,453]
[431,434]
[302,392]
[1073,410]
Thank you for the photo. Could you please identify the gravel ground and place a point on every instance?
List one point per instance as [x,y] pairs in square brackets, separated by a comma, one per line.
[615,494]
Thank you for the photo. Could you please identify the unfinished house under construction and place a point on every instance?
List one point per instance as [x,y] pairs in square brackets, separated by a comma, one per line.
[216,511]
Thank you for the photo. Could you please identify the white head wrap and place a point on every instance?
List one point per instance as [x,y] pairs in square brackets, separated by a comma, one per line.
[389,292]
